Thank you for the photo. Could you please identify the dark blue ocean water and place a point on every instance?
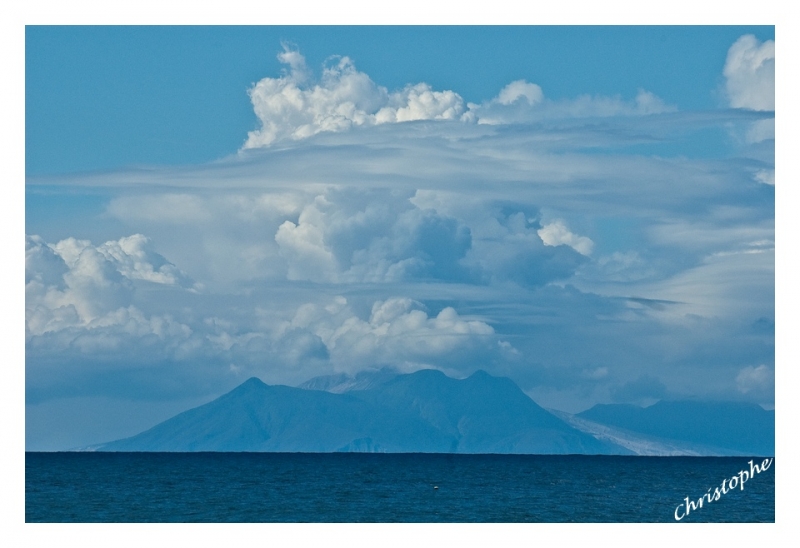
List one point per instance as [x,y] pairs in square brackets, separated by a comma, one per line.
[357,487]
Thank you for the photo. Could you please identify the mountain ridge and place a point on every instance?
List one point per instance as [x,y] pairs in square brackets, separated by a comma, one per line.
[424,411]
[427,411]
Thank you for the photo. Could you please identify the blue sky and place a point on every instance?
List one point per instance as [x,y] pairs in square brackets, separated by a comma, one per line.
[589,211]
[108,97]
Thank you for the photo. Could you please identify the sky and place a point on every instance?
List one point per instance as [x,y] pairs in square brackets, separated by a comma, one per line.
[589,211]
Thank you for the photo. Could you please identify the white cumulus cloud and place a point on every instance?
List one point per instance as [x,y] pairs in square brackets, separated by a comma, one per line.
[293,107]
[766,176]
[752,379]
[303,247]
[521,102]
[398,332]
[750,74]
[520,89]
[134,257]
[376,236]
[557,233]
[74,283]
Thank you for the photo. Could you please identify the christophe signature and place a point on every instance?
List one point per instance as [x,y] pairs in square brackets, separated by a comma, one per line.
[687,506]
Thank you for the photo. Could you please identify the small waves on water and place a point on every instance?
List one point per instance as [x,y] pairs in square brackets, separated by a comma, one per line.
[368,487]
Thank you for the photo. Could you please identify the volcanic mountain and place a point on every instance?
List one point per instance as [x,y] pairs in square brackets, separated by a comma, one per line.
[425,411]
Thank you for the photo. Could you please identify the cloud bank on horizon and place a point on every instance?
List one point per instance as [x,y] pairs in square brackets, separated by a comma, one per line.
[587,248]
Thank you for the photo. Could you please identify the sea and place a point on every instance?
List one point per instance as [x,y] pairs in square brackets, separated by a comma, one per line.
[376,488]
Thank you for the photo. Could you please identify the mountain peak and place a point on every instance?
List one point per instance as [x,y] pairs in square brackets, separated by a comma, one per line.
[252,382]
